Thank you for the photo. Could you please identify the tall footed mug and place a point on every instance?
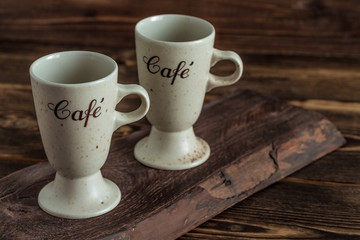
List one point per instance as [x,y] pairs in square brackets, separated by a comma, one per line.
[75,95]
[174,56]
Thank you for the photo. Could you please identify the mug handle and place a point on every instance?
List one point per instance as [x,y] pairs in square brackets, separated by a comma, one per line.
[218,81]
[125,118]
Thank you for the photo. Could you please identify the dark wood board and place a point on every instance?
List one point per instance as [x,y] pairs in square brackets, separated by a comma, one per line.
[302,27]
[255,141]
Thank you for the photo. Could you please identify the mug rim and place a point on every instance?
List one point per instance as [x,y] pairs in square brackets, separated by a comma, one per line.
[74,53]
[156,17]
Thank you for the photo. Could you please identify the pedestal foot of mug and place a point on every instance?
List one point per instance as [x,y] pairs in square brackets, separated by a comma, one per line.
[79,198]
[172,150]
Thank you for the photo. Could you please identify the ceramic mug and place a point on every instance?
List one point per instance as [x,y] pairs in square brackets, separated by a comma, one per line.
[75,95]
[174,56]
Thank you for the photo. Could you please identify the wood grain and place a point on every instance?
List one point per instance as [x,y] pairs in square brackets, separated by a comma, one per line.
[304,51]
[266,142]
[329,188]
[302,27]
[287,208]
[284,77]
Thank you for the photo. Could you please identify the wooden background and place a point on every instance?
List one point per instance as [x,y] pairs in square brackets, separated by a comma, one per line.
[306,52]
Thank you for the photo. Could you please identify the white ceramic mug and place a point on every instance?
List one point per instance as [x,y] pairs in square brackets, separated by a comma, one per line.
[174,56]
[75,95]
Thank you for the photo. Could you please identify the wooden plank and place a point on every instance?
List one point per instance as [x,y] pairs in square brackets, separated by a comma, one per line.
[307,28]
[283,77]
[255,142]
[298,77]
[320,201]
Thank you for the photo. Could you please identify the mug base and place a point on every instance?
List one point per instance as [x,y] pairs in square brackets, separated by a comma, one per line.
[172,150]
[79,198]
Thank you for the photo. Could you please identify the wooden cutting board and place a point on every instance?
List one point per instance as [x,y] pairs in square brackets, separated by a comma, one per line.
[255,141]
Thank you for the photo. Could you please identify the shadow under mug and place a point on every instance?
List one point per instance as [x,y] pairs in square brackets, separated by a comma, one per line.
[174,56]
[75,95]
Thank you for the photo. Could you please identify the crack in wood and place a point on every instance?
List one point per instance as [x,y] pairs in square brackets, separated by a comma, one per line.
[274,155]
[225,181]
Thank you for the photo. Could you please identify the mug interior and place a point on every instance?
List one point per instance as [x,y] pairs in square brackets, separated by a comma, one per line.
[73,67]
[174,28]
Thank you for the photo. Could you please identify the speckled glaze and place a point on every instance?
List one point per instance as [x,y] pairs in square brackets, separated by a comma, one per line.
[75,94]
[174,57]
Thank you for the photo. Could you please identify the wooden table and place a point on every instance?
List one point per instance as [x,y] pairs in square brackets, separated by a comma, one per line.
[304,52]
